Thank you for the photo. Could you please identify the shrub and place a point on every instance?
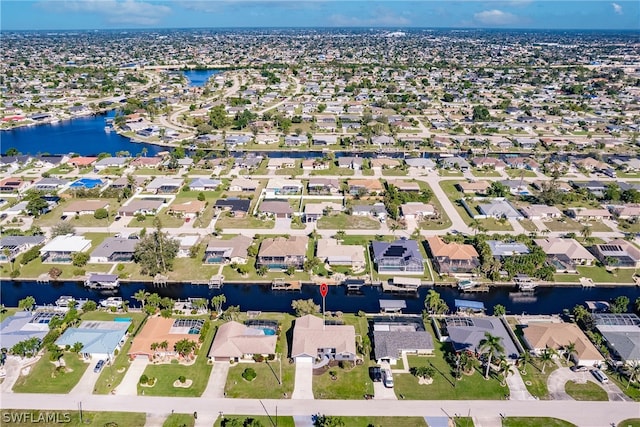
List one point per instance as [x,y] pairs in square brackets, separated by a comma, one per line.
[249,374]
[15,273]
[30,255]
[182,379]
[79,272]
[80,259]
[144,379]
[55,272]
[258,358]
[120,267]
[100,213]
[151,381]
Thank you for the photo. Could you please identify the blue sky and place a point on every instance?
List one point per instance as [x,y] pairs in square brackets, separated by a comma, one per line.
[106,14]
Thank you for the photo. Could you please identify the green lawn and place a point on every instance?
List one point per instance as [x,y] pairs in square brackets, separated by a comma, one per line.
[263,419]
[386,421]
[179,420]
[43,377]
[36,268]
[587,391]
[536,381]
[166,374]
[167,221]
[266,385]
[72,418]
[482,173]
[443,221]
[493,224]
[535,422]
[289,171]
[628,226]
[394,172]
[600,274]
[343,221]
[631,422]
[563,224]
[528,225]
[449,172]
[517,173]
[247,222]
[632,390]
[333,171]
[7,312]
[52,218]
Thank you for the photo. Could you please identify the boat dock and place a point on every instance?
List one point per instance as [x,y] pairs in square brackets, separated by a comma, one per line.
[402,285]
[102,281]
[281,285]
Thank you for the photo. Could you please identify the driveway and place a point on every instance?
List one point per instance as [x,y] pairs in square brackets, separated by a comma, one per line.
[303,388]
[517,388]
[380,392]
[88,380]
[282,224]
[12,367]
[129,384]
[217,380]
[558,378]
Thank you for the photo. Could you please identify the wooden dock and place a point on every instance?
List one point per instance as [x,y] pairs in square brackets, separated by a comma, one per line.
[281,285]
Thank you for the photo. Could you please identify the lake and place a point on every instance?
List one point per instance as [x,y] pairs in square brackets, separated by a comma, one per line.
[198,78]
[547,300]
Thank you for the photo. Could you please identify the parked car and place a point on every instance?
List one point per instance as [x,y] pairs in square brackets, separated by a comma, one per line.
[600,376]
[579,368]
[99,366]
[117,218]
[387,378]
[3,216]
[375,373]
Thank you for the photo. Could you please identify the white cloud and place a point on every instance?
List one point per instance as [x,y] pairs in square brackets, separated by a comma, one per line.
[378,18]
[617,8]
[114,11]
[495,17]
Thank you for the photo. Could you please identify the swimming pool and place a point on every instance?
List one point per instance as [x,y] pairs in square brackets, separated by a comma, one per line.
[267,331]
[87,183]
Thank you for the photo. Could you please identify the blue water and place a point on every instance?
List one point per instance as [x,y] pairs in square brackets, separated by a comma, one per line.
[267,331]
[549,300]
[198,78]
[86,183]
[83,135]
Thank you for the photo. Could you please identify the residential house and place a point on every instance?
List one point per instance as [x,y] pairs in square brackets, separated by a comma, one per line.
[164,185]
[280,253]
[618,253]
[281,163]
[315,211]
[452,258]
[84,207]
[110,162]
[383,140]
[405,186]
[243,185]
[538,212]
[421,164]
[141,206]
[539,336]
[101,340]
[522,163]
[380,163]
[122,182]
[489,163]
[315,341]
[114,249]
[354,163]
[61,248]
[50,185]
[283,186]
[325,140]
[276,208]
[584,214]
[364,187]
[157,330]
[24,325]
[498,208]
[44,161]
[12,246]
[82,162]
[250,162]
[417,210]
[455,162]
[238,207]
[237,342]
[228,251]
[392,340]
[146,162]
[377,210]
[318,186]
[565,254]
[13,185]
[629,212]
[517,187]
[296,140]
[466,334]
[335,254]
[471,187]
[597,188]
[621,333]
[399,257]
[186,244]
[189,210]
[315,164]
[502,250]
[204,184]
[233,140]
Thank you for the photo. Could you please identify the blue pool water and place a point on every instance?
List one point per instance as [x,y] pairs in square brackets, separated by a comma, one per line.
[86,183]
[194,331]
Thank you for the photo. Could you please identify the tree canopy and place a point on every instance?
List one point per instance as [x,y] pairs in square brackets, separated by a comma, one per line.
[155,252]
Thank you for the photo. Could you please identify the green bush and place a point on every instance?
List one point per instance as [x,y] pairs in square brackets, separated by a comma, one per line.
[249,374]
[79,271]
[100,213]
[144,379]
[31,254]
[15,273]
[120,267]
[182,379]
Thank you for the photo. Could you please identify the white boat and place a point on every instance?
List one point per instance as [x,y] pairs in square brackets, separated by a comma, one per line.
[108,129]
[111,302]
[66,301]
[466,284]
[525,283]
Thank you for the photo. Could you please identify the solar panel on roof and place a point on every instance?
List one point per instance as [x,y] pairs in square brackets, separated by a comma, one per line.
[611,248]
[394,251]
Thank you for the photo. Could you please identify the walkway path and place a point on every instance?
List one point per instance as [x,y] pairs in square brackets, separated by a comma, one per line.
[303,388]
[517,388]
[217,380]
[129,384]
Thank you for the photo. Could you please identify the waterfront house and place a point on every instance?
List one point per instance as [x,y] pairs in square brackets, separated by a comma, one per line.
[82,162]
[452,258]
[84,207]
[400,257]
[243,185]
[110,162]
[565,254]
[502,250]
[228,251]
[16,245]
[250,161]
[421,164]
[238,207]
[539,336]
[498,208]
[101,340]
[114,249]
[281,163]
[186,244]
[618,253]
[276,208]
[157,330]
[392,341]
[280,253]
[236,342]
[538,212]
[354,163]
[383,140]
[364,187]
[164,185]
[44,161]
[191,209]
[233,140]
[466,333]
[489,163]
[141,207]
[313,341]
[417,210]
[283,186]
[335,254]
[146,162]
[621,332]
[455,162]
[61,248]
[325,140]
[384,163]
[296,140]
[24,325]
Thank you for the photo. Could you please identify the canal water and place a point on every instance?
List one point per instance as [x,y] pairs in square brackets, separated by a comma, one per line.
[546,300]
[198,78]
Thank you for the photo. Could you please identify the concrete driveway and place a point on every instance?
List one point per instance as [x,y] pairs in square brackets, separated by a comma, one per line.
[217,380]
[129,384]
[517,388]
[282,224]
[559,377]
[12,367]
[88,380]
[380,392]
[303,388]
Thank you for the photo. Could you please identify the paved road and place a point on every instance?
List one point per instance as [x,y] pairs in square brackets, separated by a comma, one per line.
[584,414]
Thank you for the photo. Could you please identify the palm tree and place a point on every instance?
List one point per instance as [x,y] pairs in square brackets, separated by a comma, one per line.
[586,232]
[506,369]
[546,356]
[141,296]
[570,349]
[634,372]
[491,344]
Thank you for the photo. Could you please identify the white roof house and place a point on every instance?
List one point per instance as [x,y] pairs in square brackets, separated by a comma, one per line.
[330,251]
[61,247]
